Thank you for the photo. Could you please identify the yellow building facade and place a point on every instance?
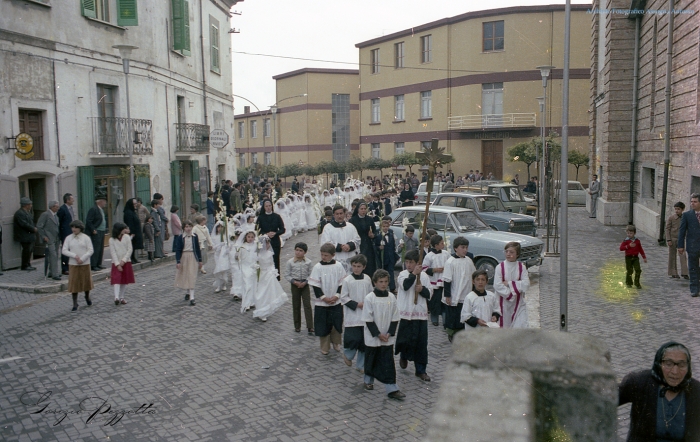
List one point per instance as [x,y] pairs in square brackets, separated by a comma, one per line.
[316,118]
[471,81]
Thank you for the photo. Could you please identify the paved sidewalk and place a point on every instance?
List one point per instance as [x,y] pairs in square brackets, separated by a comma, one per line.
[634,323]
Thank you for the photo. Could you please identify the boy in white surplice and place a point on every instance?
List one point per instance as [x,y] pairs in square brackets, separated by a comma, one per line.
[510,281]
[326,279]
[352,295]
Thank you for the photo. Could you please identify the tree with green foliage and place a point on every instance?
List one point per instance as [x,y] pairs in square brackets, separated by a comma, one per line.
[377,164]
[406,159]
[578,159]
[526,152]
[355,164]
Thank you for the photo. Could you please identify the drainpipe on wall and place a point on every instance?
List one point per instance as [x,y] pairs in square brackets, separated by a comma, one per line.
[55,112]
[667,125]
[204,78]
[635,85]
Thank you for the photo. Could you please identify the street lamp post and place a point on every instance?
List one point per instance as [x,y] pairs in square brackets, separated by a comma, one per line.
[125,54]
[544,71]
[540,100]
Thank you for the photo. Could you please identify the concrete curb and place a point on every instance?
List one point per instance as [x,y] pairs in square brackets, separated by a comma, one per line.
[97,277]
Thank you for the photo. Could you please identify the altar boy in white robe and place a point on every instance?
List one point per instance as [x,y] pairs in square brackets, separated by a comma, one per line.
[352,295]
[511,281]
[481,307]
[326,279]
[412,300]
[381,316]
[343,236]
[457,279]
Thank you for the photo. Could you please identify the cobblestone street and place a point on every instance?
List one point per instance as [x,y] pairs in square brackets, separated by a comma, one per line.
[213,373]
[210,372]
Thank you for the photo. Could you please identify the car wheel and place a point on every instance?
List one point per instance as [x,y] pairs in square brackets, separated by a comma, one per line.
[487,264]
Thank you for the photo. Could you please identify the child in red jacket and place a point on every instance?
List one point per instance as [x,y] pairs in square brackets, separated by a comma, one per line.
[633,248]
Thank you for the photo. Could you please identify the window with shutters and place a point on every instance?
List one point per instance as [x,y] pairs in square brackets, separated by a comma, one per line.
[214,45]
[181,26]
[126,11]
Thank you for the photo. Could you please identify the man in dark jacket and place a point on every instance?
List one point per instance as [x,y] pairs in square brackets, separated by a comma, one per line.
[226,198]
[66,215]
[25,232]
[95,228]
[235,198]
[270,223]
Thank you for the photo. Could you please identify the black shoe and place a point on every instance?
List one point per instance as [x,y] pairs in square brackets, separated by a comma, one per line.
[101,268]
[423,377]
[29,269]
[75,308]
[116,302]
[65,273]
[55,278]
[695,295]
[187,297]
[449,337]
[94,269]
[89,303]
[397,395]
[369,386]
[685,276]
[403,363]
[192,302]
[638,285]
[436,323]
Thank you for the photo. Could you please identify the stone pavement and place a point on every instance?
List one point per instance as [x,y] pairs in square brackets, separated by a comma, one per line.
[634,323]
[211,373]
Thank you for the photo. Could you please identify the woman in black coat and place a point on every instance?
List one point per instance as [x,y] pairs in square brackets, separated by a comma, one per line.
[665,400]
[406,197]
[131,219]
[364,224]
[271,223]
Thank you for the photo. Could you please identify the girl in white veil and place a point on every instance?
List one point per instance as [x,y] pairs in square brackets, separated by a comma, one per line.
[310,212]
[219,243]
[247,261]
[269,295]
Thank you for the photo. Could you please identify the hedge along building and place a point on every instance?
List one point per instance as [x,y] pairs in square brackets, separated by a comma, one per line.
[316,119]
[471,81]
[629,118]
[63,83]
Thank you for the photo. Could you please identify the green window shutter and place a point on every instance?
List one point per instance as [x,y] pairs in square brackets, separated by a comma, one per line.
[175,182]
[186,28]
[143,188]
[196,195]
[214,52]
[86,190]
[88,9]
[127,13]
[178,24]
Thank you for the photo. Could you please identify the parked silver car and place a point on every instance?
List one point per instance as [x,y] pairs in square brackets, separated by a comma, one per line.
[422,192]
[486,244]
[492,210]
[576,194]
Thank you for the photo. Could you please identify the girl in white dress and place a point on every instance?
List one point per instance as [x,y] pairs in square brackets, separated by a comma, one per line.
[247,260]
[281,210]
[299,213]
[310,213]
[236,275]
[269,295]
[219,243]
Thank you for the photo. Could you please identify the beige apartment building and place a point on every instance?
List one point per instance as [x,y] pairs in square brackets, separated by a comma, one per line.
[471,81]
[315,118]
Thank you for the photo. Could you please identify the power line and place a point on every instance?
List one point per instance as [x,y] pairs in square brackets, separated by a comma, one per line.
[362,64]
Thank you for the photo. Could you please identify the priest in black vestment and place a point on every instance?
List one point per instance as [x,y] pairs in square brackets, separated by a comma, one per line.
[364,224]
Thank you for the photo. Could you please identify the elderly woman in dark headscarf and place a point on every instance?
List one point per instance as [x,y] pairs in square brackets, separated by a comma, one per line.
[364,224]
[665,400]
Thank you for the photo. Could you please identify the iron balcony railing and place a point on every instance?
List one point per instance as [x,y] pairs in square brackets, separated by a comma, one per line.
[192,137]
[111,136]
[492,121]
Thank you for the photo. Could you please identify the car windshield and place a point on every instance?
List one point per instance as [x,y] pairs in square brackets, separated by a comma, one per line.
[575,186]
[468,221]
[489,204]
[513,194]
[423,187]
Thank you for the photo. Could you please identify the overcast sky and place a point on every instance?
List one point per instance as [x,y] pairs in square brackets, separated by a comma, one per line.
[327,31]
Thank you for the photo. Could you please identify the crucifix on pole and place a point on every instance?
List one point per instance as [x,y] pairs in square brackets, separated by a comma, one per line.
[433,157]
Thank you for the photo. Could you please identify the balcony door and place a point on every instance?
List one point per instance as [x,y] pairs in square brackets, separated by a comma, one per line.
[492,158]
[31,122]
[492,104]
[106,122]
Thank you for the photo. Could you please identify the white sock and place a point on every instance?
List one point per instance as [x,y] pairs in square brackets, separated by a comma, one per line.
[122,290]
[192,294]
[117,290]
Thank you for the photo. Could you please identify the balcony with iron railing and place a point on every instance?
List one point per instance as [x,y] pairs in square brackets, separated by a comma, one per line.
[492,122]
[191,138]
[110,136]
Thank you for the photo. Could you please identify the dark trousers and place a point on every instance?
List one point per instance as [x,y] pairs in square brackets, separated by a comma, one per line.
[632,264]
[98,244]
[693,271]
[27,250]
[299,296]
